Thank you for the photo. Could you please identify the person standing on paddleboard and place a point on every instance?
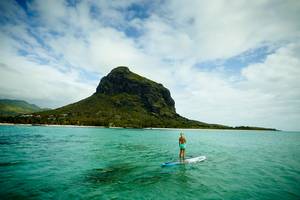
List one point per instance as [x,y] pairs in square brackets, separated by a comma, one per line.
[182,145]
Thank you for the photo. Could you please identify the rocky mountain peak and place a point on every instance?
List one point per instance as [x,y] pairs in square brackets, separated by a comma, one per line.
[154,96]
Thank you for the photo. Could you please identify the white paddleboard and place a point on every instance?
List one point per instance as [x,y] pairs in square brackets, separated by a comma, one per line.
[186,161]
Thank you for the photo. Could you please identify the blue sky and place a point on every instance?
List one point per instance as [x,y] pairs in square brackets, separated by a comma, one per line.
[231,62]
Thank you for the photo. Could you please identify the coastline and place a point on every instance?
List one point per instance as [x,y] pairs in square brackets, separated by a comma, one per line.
[51,125]
[148,128]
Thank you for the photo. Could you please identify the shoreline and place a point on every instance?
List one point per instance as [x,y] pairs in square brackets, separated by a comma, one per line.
[51,125]
[148,128]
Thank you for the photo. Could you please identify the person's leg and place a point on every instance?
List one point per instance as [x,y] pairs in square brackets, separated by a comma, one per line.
[180,153]
[183,153]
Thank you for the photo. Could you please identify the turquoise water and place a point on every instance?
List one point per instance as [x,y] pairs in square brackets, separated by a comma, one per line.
[99,163]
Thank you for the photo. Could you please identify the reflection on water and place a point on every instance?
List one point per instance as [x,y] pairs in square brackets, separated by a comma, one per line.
[111,174]
[127,173]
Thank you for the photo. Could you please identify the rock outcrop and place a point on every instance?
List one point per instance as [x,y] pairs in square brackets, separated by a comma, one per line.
[154,96]
[123,99]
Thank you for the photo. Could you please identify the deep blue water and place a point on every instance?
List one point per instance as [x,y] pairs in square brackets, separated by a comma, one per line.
[100,163]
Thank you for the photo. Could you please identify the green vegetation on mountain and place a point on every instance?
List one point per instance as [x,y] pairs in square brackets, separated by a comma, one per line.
[125,99]
[16,107]
[122,99]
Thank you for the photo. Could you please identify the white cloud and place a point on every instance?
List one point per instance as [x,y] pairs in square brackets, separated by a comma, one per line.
[163,40]
[221,29]
[171,41]
[269,92]
[44,84]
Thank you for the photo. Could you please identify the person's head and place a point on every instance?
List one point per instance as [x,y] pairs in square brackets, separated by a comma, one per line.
[181,134]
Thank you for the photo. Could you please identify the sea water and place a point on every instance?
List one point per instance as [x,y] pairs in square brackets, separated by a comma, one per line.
[102,163]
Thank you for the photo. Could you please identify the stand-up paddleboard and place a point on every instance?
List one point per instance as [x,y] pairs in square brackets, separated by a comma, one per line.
[186,161]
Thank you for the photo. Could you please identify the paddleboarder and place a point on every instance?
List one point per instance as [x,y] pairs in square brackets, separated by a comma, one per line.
[182,145]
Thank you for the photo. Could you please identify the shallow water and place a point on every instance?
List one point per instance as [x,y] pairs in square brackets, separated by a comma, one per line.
[100,163]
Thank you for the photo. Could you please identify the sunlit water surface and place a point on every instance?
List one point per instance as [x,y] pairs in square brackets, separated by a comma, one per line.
[100,163]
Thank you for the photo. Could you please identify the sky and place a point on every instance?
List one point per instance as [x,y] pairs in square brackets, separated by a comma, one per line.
[231,62]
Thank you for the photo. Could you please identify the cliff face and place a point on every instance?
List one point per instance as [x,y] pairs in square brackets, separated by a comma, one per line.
[124,99]
[154,96]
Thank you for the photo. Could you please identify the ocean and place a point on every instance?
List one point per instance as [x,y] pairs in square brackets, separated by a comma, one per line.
[38,162]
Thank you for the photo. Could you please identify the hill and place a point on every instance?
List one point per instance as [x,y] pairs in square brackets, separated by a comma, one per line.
[126,99]
[10,107]
[122,99]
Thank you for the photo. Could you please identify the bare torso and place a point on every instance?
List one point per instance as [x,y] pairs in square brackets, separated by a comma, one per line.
[182,140]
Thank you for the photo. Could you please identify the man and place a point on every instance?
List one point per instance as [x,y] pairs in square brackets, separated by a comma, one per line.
[182,144]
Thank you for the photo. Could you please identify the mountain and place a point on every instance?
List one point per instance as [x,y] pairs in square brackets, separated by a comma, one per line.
[122,99]
[154,98]
[16,107]
[125,99]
